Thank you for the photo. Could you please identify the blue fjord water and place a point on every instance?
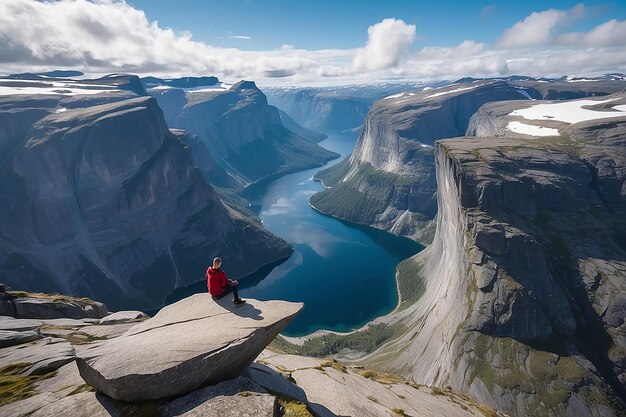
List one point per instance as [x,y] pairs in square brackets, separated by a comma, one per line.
[344,273]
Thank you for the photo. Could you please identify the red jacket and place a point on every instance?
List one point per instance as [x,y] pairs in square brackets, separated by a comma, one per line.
[216,281]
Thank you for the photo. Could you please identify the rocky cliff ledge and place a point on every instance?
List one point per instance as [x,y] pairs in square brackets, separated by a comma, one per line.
[195,357]
[525,282]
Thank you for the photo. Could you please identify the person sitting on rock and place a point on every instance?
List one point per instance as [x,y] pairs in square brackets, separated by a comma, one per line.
[219,286]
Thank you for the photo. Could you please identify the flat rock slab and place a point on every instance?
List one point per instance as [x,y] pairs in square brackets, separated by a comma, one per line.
[18,325]
[194,342]
[41,308]
[123,317]
[109,331]
[44,355]
[74,323]
[235,398]
[290,363]
[11,338]
[65,380]
[27,406]
[334,393]
[91,404]
[274,382]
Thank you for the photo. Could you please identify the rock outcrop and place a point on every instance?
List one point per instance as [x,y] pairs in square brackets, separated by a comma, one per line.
[99,198]
[207,342]
[274,385]
[525,280]
[333,390]
[21,304]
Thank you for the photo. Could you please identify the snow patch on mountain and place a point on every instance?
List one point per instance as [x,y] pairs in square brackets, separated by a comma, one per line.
[570,111]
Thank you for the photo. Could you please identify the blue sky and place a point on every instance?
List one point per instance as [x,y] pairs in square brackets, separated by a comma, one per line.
[322,42]
[324,24]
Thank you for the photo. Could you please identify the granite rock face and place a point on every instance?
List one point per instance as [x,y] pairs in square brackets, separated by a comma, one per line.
[525,280]
[208,342]
[389,180]
[390,177]
[321,110]
[244,136]
[332,109]
[99,198]
[123,317]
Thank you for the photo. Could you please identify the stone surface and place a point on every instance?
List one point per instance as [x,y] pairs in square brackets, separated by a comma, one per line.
[12,338]
[235,398]
[44,355]
[29,405]
[207,342]
[89,404]
[274,382]
[334,390]
[37,308]
[290,362]
[65,380]
[108,331]
[73,323]
[123,316]
[7,307]
[9,323]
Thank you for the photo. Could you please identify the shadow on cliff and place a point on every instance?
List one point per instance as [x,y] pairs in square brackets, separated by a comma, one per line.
[247,310]
[565,240]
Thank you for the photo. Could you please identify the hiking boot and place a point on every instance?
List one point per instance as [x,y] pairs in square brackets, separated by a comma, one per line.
[239,301]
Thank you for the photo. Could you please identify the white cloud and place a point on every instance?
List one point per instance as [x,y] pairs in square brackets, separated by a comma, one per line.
[535,29]
[488,11]
[388,43]
[465,48]
[611,33]
[240,37]
[107,36]
[110,36]
[538,28]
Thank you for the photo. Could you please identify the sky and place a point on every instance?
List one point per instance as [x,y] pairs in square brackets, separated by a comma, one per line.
[322,42]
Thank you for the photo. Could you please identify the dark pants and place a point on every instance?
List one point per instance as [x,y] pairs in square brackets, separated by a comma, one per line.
[227,290]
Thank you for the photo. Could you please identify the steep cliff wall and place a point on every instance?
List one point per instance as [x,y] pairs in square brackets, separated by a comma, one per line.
[525,279]
[103,200]
[321,109]
[396,143]
[244,135]
[389,180]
